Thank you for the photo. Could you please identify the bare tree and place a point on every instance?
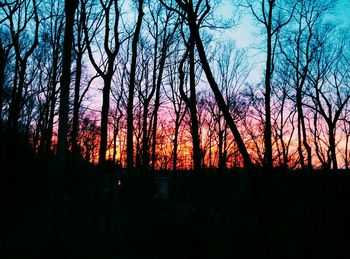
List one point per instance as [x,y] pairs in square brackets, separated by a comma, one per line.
[62,148]
[5,48]
[330,96]
[298,46]
[232,72]
[192,15]
[273,15]
[283,114]
[108,49]
[52,35]
[178,105]
[130,106]
[79,50]
[20,16]
[163,38]
[120,106]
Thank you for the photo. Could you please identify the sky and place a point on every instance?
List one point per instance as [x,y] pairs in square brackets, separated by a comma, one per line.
[245,33]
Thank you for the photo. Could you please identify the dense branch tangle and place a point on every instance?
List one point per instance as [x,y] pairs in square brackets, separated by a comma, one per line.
[289,117]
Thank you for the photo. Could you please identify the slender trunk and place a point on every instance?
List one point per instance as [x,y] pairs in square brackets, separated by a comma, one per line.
[52,100]
[156,106]
[104,120]
[175,142]
[331,140]
[76,106]
[210,152]
[268,73]
[145,148]
[307,146]
[193,111]
[41,129]
[115,133]
[300,113]
[154,130]
[225,147]
[305,143]
[220,149]
[130,107]
[50,122]
[44,117]
[301,122]
[2,81]
[283,145]
[346,152]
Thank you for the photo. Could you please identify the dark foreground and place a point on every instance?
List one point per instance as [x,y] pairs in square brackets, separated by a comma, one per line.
[213,215]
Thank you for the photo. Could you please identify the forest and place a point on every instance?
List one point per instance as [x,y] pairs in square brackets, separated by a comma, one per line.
[144,129]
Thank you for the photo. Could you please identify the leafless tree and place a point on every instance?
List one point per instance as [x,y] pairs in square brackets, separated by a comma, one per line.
[164,36]
[51,45]
[232,72]
[79,50]
[62,146]
[19,17]
[283,113]
[298,46]
[273,15]
[132,78]
[194,15]
[107,16]
[191,101]
[5,48]
[330,95]
[178,105]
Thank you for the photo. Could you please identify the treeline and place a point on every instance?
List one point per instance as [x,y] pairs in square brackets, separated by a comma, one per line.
[147,85]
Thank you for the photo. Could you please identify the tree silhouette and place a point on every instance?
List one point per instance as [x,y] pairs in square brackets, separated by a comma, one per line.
[130,119]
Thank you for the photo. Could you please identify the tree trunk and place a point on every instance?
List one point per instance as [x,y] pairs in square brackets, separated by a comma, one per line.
[52,100]
[332,145]
[76,106]
[346,152]
[157,105]
[145,141]
[218,96]
[175,143]
[61,173]
[41,130]
[220,149]
[2,80]
[303,131]
[115,134]
[104,120]
[268,73]
[62,148]
[193,111]
[130,106]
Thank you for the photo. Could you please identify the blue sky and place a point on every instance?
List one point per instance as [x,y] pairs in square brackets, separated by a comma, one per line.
[246,32]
